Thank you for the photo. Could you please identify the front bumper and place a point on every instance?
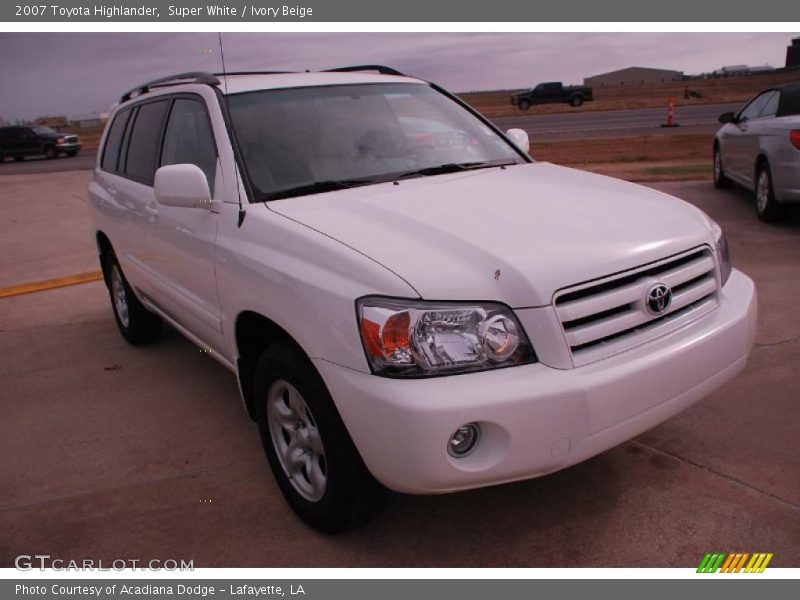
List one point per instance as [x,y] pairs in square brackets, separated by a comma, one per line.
[68,147]
[535,419]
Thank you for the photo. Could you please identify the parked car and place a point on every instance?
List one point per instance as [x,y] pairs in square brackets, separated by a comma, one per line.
[403,313]
[553,92]
[759,148]
[36,140]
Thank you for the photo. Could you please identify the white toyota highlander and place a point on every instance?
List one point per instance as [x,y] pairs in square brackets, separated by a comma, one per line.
[407,299]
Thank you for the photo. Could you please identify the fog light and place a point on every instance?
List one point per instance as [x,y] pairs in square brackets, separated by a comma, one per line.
[464,440]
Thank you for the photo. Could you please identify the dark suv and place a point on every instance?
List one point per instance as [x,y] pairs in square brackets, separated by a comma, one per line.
[22,141]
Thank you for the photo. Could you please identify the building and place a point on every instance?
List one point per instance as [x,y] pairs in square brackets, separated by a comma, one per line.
[633,76]
[793,54]
[88,120]
[52,121]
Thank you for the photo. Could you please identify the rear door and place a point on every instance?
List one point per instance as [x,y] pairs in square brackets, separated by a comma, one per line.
[181,241]
[132,184]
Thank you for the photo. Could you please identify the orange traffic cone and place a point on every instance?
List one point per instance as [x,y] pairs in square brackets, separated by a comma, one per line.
[670,114]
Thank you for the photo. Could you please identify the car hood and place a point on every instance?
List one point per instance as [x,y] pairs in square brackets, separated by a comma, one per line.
[515,235]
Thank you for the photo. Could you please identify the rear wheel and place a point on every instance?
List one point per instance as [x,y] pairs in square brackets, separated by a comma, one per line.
[767,206]
[312,457]
[136,324]
[19,158]
[524,104]
[576,101]
[720,180]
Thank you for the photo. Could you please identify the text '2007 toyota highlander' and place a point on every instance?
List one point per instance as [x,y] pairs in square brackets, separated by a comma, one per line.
[407,299]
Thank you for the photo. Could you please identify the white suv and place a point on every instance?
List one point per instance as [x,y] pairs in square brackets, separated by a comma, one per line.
[406,298]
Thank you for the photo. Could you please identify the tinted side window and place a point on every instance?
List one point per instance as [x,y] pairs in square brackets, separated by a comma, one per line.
[114,141]
[143,147]
[188,138]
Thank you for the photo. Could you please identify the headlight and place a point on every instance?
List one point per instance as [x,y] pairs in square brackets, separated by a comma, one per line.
[723,253]
[410,338]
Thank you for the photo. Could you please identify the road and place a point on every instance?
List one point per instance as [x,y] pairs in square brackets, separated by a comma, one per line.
[113,451]
[39,164]
[614,123]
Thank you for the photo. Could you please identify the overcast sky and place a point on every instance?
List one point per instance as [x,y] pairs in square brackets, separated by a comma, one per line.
[77,73]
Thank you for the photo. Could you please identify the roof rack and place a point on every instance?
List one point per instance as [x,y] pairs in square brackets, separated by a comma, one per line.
[253,73]
[383,70]
[190,77]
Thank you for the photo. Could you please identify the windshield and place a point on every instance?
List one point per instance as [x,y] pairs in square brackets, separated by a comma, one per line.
[330,137]
[40,129]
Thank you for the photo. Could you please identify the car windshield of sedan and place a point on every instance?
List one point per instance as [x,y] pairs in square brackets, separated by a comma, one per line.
[306,140]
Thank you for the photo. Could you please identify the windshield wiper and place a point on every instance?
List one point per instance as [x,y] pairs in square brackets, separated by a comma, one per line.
[455,168]
[317,187]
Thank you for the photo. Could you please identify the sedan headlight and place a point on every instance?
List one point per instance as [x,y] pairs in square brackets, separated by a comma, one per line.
[410,338]
[723,253]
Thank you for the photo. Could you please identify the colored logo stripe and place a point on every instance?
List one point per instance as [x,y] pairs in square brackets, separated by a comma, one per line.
[734,562]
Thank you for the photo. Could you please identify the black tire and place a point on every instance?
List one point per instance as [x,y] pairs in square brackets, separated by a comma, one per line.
[720,180]
[2,157]
[350,496]
[50,151]
[72,153]
[524,104]
[767,206]
[576,101]
[136,324]
[19,158]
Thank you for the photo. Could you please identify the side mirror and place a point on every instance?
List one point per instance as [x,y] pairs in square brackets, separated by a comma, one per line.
[520,139]
[728,117]
[183,186]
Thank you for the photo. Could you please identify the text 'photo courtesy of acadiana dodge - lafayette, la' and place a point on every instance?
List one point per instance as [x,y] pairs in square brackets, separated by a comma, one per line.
[111,11]
[155,589]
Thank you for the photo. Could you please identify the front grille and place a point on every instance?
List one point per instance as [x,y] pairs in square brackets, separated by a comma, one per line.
[609,316]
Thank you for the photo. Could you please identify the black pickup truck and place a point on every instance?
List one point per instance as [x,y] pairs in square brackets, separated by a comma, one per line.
[551,92]
[36,140]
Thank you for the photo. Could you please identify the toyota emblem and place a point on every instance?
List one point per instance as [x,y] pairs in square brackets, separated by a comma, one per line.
[658,299]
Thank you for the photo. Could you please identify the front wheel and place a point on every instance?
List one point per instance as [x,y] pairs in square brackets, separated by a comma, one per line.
[576,101]
[767,206]
[314,461]
[50,152]
[136,324]
[524,104]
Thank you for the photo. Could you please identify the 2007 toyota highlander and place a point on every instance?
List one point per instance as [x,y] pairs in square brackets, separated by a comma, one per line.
[407,299]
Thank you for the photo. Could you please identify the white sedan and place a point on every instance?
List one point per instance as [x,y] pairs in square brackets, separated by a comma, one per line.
[759,148]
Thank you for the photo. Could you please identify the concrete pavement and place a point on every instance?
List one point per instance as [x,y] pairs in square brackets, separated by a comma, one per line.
[110,451]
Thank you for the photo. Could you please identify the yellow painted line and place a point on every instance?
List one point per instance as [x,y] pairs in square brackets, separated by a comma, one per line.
[50,284]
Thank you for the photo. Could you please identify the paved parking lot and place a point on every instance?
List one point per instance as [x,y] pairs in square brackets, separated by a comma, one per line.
[110,451]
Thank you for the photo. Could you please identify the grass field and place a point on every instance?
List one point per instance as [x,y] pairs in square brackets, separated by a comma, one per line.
[672,157]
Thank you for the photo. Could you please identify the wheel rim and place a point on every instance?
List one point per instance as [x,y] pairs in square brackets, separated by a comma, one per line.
[120,299]
[762,191]
[717,166]
[297,440]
